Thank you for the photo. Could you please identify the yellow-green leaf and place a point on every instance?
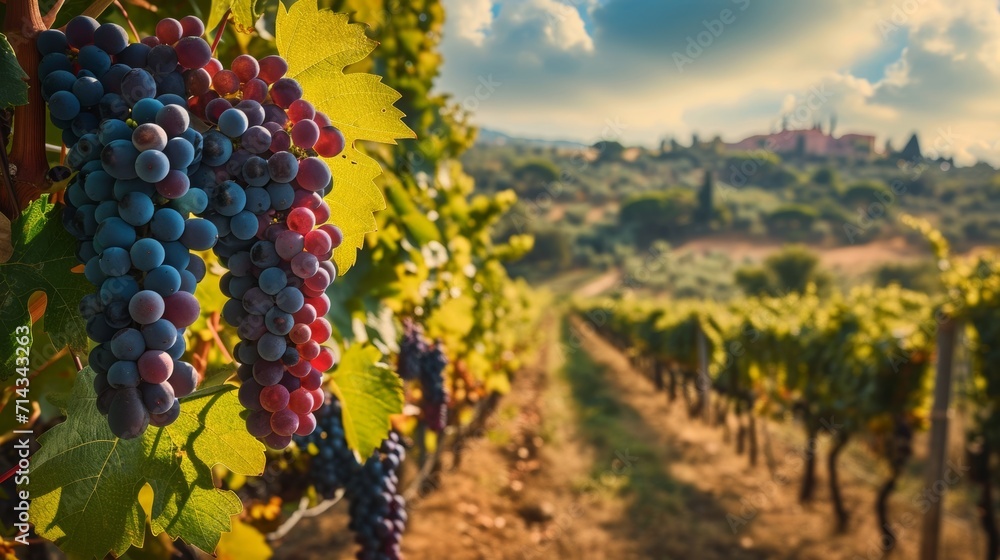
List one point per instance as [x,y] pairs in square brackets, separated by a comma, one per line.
[369,394]
[245,14]
[85,482]
[318,44]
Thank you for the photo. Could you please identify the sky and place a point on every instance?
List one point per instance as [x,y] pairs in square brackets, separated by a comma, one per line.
[638,71]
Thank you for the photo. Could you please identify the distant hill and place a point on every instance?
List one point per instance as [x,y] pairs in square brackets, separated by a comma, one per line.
[489,137]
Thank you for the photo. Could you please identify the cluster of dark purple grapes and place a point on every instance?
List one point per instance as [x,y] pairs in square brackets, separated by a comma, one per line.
[266,200]
[435,405]
[334,464]
[126,124]
[422,360]
[378,511]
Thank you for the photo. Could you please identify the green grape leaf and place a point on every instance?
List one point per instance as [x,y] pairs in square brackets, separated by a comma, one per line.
[13,87]
[42,259]
[245,14]
[318,44]
[85,482]
[370,392]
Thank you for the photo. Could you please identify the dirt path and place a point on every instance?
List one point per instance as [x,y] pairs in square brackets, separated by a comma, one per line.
[762,511]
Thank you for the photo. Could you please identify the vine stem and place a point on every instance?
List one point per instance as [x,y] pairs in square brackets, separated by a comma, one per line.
[76,361]
[8,474]
[304,512]
[220,30]
[28,165]
[121,8]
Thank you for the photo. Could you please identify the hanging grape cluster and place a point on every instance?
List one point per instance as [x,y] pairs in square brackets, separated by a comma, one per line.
[124,119]
[378,511]
[377,508]
[425,361]
[151,188]
[266,200]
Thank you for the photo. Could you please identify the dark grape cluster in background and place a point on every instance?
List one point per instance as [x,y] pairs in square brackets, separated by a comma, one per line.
[425,361]
[123,115]
[377,508]
[378,511]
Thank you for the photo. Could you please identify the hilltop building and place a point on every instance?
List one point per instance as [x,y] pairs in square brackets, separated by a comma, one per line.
[809,142]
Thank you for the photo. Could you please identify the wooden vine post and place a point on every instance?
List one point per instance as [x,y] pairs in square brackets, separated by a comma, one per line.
[930,543]
[703,381]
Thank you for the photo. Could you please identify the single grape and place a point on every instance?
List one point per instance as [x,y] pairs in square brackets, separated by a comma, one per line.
[149,136]
[285,91]
[152,166]
[233,122]
[167,224]
[305,134]
[123,374]
[164,280]
[159,335]
[174,119]
[182,309]
[155,366]
[192,26]
[127,417]
[137,84]
[158,398]
[314,174]
[51,41]
[80,31]
[111,38]
[184,379]
[146,307]
[146,254]
[168,417]
[193,53]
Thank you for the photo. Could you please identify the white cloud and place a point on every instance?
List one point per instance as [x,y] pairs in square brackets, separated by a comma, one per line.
[559,80]
[468,20]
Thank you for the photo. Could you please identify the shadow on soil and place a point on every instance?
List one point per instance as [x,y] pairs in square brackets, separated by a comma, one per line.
[666,519]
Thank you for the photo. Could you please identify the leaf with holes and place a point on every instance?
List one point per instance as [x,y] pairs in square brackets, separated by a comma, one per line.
[318,44]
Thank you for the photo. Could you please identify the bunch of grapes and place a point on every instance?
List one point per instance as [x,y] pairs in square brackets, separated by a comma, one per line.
[419,359]
[411,350]
[435,405]
[378,510]
[334,464]
[265,198]
[124,118]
